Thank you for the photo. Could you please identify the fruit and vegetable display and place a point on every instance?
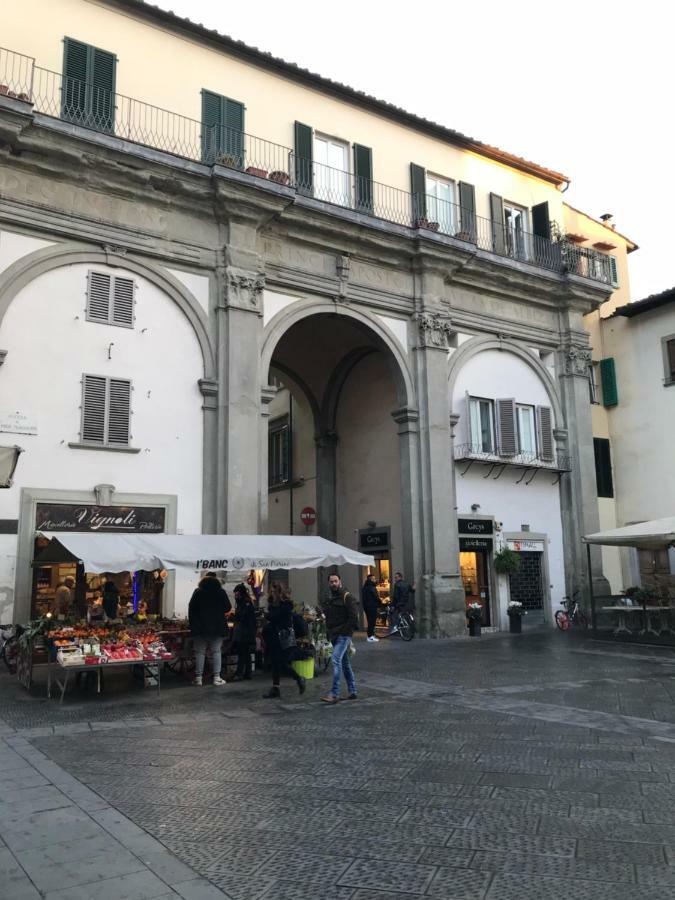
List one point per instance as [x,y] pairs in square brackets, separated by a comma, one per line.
[87,645]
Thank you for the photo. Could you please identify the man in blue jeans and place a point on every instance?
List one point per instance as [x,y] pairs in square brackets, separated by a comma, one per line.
[340,610]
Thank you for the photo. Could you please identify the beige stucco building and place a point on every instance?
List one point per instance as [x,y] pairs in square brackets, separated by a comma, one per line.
[212,231]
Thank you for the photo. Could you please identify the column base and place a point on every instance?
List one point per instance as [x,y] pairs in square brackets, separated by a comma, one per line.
[443,612]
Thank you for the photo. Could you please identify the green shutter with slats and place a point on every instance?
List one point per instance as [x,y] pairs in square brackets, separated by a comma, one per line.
[303,159]
[222,130]
[610,395]
[363,176]
[613,271]
[603,467]
[467,212]
[418,189]
[88,85]
[497,216]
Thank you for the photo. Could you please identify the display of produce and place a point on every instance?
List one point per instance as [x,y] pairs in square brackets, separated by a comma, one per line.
[89,645]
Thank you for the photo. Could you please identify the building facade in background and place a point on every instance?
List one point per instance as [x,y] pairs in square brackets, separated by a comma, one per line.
[234,294]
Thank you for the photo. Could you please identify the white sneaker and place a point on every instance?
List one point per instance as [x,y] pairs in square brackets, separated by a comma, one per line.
[372,639]
[218,680]
[197,680]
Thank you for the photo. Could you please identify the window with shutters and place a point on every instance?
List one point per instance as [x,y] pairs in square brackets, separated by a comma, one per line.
[441,203]
[527,432]
[610,393]
[593,383]
[668,350]
[110,299]
[603,467]
[515,231]
[222,130]
[331,170]
[545,445]
[613,271]
[482,419]
[279,452]
[654,562]
[88,86]
[106,411]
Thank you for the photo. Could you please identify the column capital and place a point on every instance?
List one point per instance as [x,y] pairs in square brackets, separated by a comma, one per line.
[434,330]
[454,420]
[242,289]
[267,393]
[407,419]
[326,439]
[3,356]
[575,360]
[209,391]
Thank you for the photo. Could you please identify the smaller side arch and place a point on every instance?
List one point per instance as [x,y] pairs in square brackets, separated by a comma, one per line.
[479,344]
[300,310]
[29,267]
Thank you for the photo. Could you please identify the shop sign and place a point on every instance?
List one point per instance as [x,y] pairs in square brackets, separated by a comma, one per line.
[475,526]
[469,544]
[377,541]
[526,546]
[18,423]
[109,519]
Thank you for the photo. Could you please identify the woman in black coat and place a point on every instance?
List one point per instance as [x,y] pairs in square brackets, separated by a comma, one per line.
[280,643]
[207,613]
[245,627]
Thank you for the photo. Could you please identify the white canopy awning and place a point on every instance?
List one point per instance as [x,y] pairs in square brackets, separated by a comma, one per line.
[201,552]
[655,535]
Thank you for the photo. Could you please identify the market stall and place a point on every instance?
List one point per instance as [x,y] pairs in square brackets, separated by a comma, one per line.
[644,612]
[145,646]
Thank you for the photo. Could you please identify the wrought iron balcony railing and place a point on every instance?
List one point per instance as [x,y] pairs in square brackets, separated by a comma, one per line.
[524,459]
[83,104]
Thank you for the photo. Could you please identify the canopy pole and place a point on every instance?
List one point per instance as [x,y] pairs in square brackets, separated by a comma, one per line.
[590,589]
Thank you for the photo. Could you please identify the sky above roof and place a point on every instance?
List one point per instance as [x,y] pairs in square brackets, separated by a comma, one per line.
[581,88]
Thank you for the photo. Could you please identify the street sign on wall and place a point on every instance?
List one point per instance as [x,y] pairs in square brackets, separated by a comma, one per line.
[308,516]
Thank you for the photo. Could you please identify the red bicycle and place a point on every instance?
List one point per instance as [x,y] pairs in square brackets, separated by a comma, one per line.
[571,614]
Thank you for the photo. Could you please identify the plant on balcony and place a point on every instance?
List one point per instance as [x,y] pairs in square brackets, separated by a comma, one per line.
[259,173]
[506,561]
[641,595]
[279,177]
[4,90]
[433,226]
[422,223]
[232,162]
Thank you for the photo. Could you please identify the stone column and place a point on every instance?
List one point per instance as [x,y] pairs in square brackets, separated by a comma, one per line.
[267,394]
[578,489]
[407,419]
[209,390]
[444,595]
[326,484]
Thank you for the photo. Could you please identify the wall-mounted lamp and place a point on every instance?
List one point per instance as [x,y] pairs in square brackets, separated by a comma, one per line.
[475,507]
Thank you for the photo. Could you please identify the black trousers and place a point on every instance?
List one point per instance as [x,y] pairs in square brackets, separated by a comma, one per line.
[244,659]
[281,665]
[371,616]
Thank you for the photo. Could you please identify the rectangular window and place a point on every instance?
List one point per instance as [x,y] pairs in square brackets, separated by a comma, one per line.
[527,430]
[331,171]
[593,383]
[603,467]
[106,411]
[110,299]
[668,349]
[88,85]
[654,562]
[279,452]
[516,231]
[482,425]
[441,203]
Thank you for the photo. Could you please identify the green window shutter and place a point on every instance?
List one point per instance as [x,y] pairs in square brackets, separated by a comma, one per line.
[222,130]
[418,189]
[74,82]
[303,159]
[610,396]
[541,223]
[363,176]
[102,78]
[467,211]
[614,274]
[497,216]
[603,467]
[88,86]
[233,120]
[212,121]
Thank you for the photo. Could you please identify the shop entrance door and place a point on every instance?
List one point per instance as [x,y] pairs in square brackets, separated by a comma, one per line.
[473,567]
[527,584]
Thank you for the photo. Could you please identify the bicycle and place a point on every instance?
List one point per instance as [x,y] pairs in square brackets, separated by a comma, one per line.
[571,614]
[9,647]
[401,623]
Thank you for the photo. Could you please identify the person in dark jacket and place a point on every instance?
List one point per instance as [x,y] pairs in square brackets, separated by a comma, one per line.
[279,638]
[111,597]
[245,627]
[370,600]
[403,599]
[339,608]
[207,613]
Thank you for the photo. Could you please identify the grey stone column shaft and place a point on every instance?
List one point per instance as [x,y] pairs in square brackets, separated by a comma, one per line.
[326,484]
[209,389]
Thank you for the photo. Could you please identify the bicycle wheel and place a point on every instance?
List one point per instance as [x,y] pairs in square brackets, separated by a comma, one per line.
[406,628]
[582,620]
[562,620]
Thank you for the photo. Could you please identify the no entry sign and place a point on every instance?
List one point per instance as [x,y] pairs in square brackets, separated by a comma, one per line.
[308,516]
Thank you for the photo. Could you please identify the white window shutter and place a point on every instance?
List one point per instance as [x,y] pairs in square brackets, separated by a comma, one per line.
[545,433]
[468,431]
[98,297]
[507,428]
[119,411]
[123,302]
[93,408]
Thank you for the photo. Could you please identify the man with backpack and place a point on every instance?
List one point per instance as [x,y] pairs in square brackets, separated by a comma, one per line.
[341,612]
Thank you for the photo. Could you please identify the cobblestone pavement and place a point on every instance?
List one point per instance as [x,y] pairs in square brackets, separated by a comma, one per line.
[533,766]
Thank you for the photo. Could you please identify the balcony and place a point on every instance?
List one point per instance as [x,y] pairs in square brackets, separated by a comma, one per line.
[82,104]
[526,465]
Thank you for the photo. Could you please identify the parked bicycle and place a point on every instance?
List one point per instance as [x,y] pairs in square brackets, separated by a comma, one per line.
[571,613]
[9,646]
[401,623]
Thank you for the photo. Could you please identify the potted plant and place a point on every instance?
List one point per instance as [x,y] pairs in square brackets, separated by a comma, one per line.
[279,177]
[432,226]
[422,223]
[232,162]
[474,614]
[506,561]
[515,612]
[254,170]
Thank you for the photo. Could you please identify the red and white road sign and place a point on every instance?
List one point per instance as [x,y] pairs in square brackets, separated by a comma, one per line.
[308,516]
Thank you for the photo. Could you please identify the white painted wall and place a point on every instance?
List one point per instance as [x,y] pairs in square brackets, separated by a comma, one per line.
[50,346]
[496,374]
[13,246]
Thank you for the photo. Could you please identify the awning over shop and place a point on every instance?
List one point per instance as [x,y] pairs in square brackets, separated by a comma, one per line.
[655,535]
[203,552]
